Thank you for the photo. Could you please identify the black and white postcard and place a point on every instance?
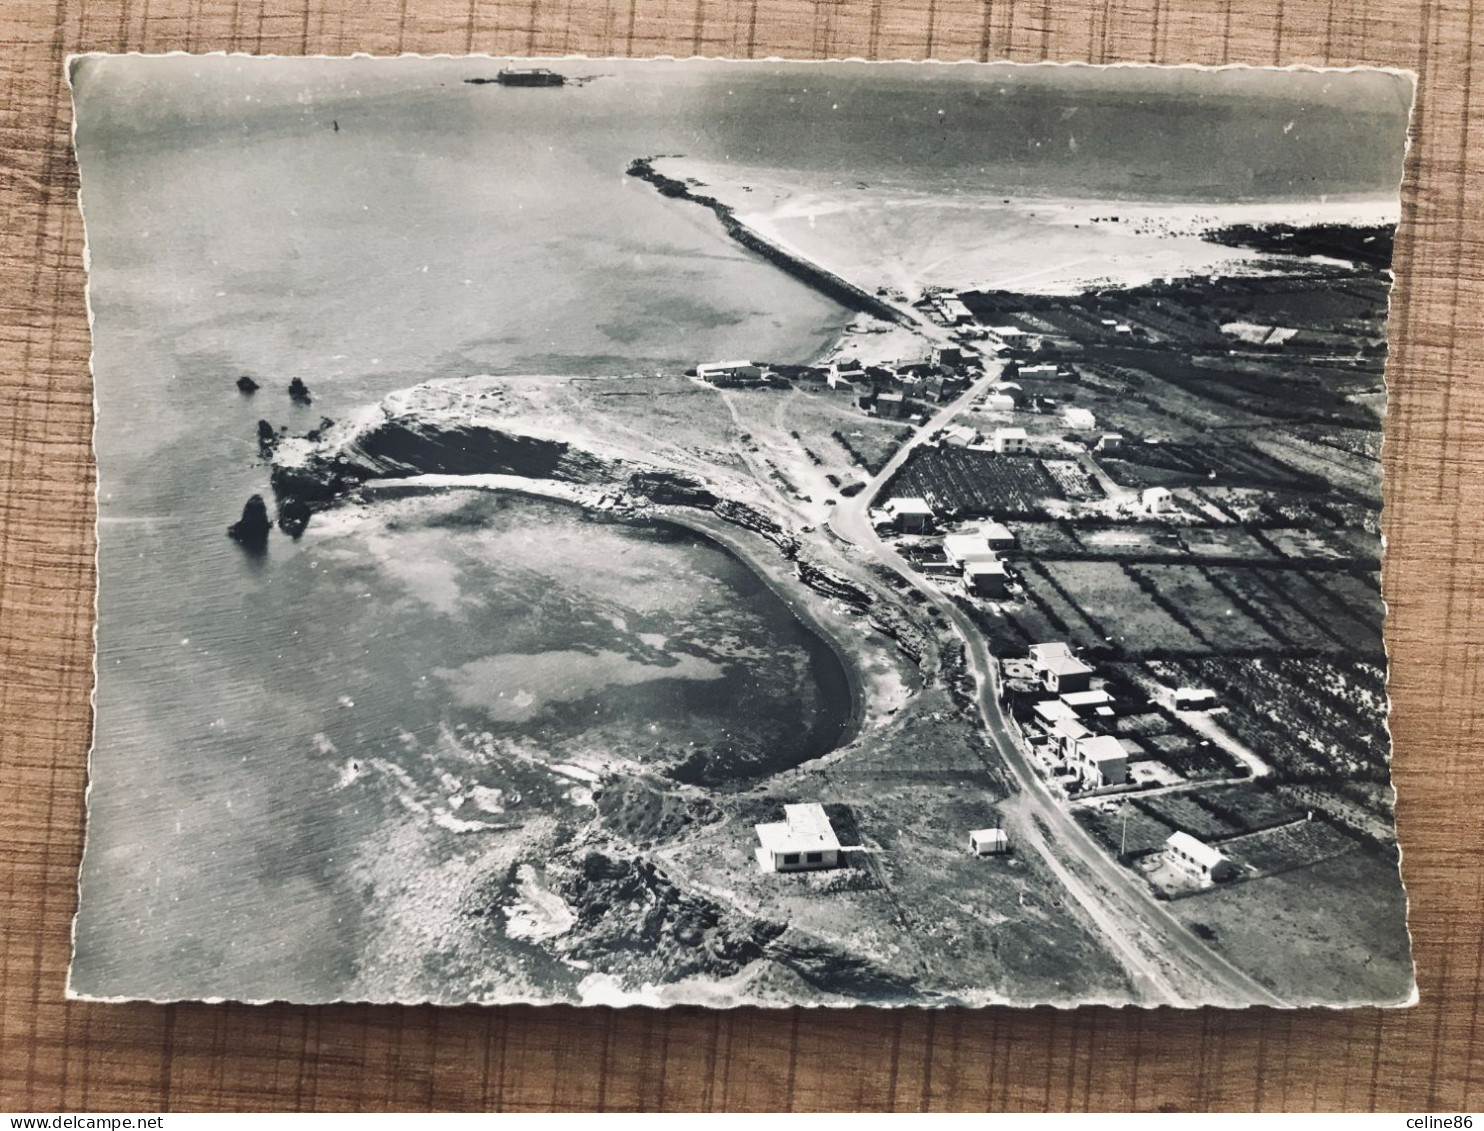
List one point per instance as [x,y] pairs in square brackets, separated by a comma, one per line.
[724,533]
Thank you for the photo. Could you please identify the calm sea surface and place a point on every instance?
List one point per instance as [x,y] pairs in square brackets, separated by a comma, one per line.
[265,726]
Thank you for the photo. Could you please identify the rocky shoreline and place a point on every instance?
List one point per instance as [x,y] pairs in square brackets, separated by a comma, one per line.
[413,441]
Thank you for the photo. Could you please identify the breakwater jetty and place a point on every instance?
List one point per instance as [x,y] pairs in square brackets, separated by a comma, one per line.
[826,282]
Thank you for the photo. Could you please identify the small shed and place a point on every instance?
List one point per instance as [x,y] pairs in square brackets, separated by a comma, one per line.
[1194,698]
[989,842]
[1157,500]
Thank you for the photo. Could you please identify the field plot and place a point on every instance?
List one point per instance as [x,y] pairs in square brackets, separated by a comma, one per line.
[1355,475]
[1286,847]
[1250,807]
[1231,464]
[1323,597]
[1288,622]
[1073,480]
[1224,542]
[976,483]
[1132,540]
[1129,616]
[1125,826]
[1072,626]
[1318,544]
[1205,609]
[1045,539]
[1184,811]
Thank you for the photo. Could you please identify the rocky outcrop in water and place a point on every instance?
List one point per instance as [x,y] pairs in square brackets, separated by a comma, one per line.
[408,445]
[246,384]
[299,392]
[251,530]
[293,516]
[267,438]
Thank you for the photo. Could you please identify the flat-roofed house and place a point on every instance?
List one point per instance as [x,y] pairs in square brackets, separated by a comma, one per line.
[1102,761]
[1198,857]
[1080,419]
[1009,441]
[986,579]
[802,841]
[960,549]
[1086,703]
[723,372]
[1049,712]
[890,406]
[910,515]
[1110,442]
[999,402]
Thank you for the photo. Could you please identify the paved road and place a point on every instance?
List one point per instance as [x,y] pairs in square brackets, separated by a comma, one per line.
[1166,962]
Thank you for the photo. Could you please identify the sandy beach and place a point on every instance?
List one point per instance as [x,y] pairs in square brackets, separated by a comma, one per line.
[905,239]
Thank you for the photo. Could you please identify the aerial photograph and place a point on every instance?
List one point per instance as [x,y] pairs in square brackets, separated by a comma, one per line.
[739,533]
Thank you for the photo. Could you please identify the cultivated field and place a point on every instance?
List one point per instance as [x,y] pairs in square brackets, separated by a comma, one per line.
[1128,617]
[976,483]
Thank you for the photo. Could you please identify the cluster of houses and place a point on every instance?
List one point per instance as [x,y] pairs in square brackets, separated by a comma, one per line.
[973,557]
[1063,732]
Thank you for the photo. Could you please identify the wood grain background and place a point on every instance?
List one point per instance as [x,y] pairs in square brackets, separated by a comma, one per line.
[56,1055]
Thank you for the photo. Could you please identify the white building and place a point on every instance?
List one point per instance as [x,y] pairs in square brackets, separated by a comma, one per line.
[960,549]
[718,372]
[1045,369]
[1080,419]
[802,841]
[1009,441]
[998,535]
[1102,760]
[989,842]
[910,515]
[1198,857]
[986,579]
[1110,442]
[959,436]
[1194,698]
[999,402]
[1157,500]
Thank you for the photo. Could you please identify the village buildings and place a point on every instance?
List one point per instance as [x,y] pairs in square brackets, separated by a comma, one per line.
[729,372]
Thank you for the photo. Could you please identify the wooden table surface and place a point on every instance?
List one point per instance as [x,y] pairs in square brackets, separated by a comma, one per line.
[56,1055]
